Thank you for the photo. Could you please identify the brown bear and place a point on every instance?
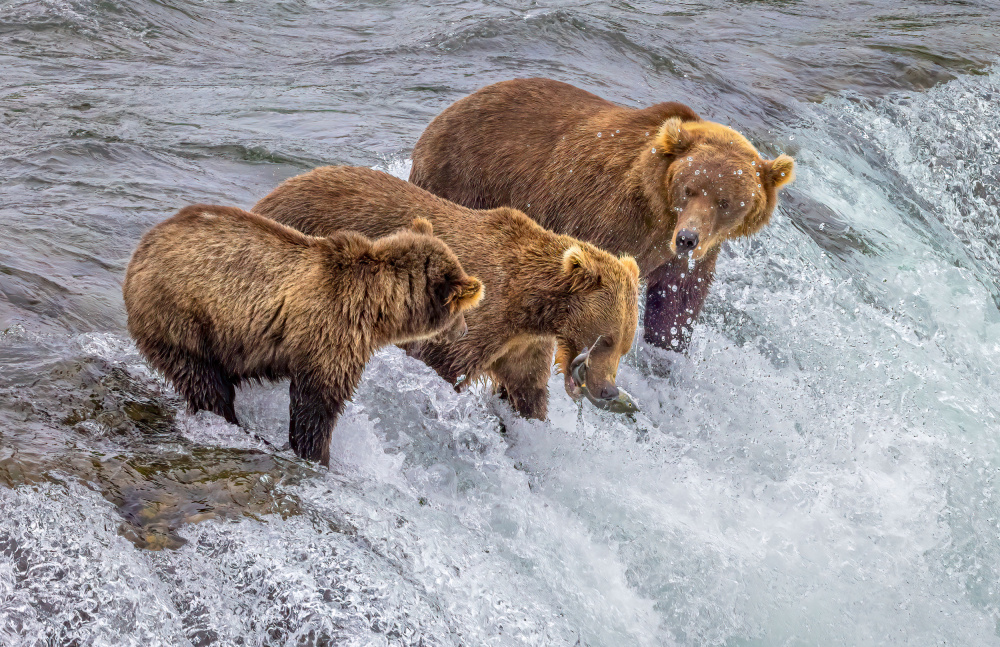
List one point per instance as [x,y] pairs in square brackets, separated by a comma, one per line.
[544,292]
[218,296]
[658,183]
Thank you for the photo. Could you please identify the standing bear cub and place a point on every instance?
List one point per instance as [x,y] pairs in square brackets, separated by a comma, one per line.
[218,296]
[545,292]
[659,183]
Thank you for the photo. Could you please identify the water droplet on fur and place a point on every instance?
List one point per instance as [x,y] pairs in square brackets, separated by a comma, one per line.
[791,137]
[742,204]
[654,150]
[782,175]
[673,330]
[739,172]
[751,163]
[758,173]
[617,131]
[647,134]
[682,274]
[673,287]
[696,172]
[598,134]
[689,159]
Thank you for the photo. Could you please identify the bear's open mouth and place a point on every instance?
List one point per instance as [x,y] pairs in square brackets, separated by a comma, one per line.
[578,369]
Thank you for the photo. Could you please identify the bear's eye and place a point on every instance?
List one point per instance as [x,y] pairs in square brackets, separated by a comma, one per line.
[688,192]
[723,204]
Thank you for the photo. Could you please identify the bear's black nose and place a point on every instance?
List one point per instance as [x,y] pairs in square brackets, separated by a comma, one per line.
[686,240]
[609,392]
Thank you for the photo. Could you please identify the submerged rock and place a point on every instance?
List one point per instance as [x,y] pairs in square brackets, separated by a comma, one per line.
[133,453]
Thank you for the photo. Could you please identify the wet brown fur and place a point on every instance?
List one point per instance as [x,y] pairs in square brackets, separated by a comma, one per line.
[217,296]
[533,144]
[542,290]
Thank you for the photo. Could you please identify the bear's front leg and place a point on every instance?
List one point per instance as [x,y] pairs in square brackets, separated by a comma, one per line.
[521,376]
[674,298]
[314,407]
[531,402]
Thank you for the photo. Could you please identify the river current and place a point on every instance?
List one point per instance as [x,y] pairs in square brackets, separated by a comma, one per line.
[821,468]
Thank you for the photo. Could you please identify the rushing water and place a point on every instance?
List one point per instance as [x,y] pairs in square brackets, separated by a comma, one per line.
[820,469]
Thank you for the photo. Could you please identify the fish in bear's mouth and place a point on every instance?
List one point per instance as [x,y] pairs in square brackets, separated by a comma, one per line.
[622,403]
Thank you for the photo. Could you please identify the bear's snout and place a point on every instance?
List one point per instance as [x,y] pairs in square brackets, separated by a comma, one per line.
[687,240]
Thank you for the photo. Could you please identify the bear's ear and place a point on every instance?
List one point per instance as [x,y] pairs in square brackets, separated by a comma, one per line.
[673,138]
[580,268]
[630,265]
[466,294]
[782,170]
[422,226]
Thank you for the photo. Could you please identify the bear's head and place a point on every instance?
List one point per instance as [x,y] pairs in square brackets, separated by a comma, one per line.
[601,293]
[716,184]
[435,290]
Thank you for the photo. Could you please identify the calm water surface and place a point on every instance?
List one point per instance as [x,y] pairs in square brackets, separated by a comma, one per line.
[820,469]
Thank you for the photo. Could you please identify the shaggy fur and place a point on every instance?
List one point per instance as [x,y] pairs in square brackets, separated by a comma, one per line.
[629,181]
[542,290]
[217,296]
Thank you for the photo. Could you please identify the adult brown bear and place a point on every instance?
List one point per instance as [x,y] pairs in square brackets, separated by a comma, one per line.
[544,292]
[658,183]
[218,296]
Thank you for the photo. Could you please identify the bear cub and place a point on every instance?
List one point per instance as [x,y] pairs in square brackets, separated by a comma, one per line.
[217,296]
